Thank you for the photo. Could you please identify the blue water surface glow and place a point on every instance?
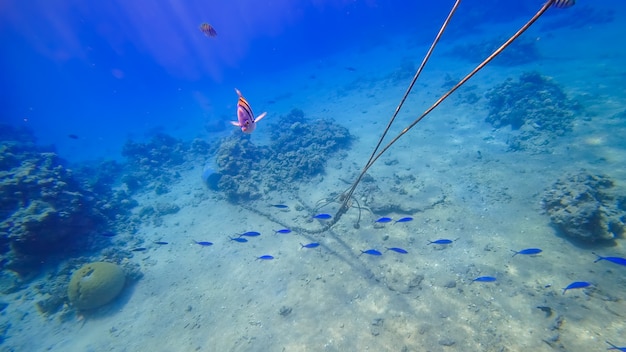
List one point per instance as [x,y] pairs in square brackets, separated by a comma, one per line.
[109,71]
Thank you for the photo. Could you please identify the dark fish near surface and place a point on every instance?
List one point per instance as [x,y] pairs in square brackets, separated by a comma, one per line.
[310,245]
[441,241]
[108,234]
[250,234]
[280,206]
[322,216]
[138,249]
[576,284]
[208,30]
[204,243]
[616,260]
[283,231]
[383,220]
[265,257]
[72,136]
[238,239]
[371,252]
[397,250]
[485,279]
[527,251]
[161,242]
[613,347]
[405,219]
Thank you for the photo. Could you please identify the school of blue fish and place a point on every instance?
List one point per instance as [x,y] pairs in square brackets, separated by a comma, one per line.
[373,252]
[243,238]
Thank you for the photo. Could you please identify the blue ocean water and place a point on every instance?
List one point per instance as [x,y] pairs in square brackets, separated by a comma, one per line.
[112,71]
[117,147]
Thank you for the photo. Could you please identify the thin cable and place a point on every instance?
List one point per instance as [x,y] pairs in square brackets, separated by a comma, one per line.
[349,193]
[344,207]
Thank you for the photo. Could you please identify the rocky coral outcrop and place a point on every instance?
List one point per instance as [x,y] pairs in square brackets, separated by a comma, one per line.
[299,150]
[586,207]
[536,107]
[45,210]
[155,164]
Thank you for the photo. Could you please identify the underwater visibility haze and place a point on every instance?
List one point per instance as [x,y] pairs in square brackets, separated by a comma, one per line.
[312,175]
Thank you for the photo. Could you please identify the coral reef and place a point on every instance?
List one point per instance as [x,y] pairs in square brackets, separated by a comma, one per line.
[53,289]
[300,147]
[535,106]
[238,163]
[586,207]
[298,150]
[153,165]
[95,284]
[45,209]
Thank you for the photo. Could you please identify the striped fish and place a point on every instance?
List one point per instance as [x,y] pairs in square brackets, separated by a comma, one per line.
[563,3]
[245,117]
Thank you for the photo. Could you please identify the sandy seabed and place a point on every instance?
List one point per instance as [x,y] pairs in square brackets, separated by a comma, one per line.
[464,182]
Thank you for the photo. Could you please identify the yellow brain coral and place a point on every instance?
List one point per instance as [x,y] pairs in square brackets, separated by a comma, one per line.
[95,284]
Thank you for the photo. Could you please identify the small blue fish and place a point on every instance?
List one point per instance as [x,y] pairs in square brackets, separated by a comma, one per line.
[485,279]
[283,231]
[405,219]
[616,260]
[371,252]
[280,206]
[613,347]
[238,239]
[441,241]
[383,220]
[108,234]
[310,245]
[265,257]
[250,234]
[322,216]
[138,249]
[527,251]
[204,243]
[576,284]
[397,250]
[161,242]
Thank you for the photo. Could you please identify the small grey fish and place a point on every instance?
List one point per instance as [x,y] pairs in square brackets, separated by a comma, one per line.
[527,251]
[485,279]
[383,220]
[405,219]
[161,242]
[616,260]
[322,216]
[575,285]
[441,241]
[613,347]
[546,310]
[371,252]
[138,249]
[397,250]
[310,245]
